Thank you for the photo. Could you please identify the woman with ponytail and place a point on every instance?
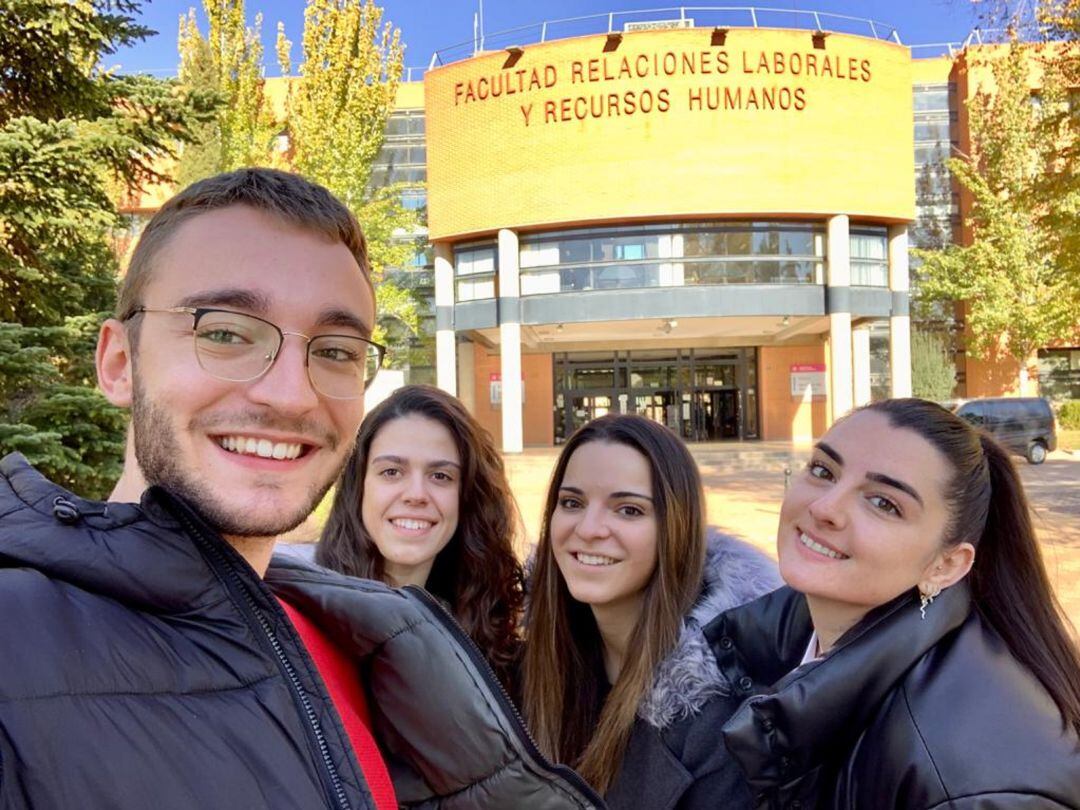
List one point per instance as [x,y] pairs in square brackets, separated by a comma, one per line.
[918,658]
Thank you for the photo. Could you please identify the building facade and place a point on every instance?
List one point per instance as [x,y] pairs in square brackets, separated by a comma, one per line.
[708,226]
[706,221]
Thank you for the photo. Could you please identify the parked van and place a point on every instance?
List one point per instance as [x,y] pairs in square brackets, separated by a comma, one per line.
[1023,425]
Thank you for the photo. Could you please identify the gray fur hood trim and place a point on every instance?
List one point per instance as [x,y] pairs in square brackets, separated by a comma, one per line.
[735,573]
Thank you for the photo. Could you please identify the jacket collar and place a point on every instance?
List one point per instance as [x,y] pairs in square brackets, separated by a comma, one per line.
[763,640]
[151,556]
[734,574]
[820,708]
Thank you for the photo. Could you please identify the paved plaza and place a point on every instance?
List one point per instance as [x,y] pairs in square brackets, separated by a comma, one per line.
[744,485]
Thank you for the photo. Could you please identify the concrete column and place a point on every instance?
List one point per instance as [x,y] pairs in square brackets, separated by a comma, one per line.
[466,360]
[445,349]
[838,305]
[860,364]
[900,320]
[513,415]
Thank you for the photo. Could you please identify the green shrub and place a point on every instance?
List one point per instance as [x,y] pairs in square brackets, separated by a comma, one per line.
[1069,414]
[933,371]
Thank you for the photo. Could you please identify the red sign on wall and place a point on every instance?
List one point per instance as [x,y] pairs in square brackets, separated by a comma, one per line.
[495,388]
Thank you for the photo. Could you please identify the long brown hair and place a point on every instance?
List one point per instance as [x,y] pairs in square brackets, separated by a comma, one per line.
[563,664]
[477,574]
[1009,585]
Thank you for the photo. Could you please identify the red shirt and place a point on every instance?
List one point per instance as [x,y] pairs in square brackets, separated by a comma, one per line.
[343,682]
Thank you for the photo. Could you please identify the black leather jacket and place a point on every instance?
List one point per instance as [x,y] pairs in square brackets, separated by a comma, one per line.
[902,713]
[144,664]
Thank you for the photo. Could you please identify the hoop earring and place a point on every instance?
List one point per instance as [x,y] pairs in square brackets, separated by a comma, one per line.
[926,598]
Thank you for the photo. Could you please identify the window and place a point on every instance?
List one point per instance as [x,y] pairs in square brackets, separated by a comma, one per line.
[932,131]
[1059,373]
[972,412]
[933,153]
[934,97]
[672,255]
[869,257]
[475,269]
[403,156]
[414,199]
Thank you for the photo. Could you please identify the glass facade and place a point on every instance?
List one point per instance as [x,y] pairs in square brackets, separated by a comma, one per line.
[701,394]
[673,256]
[880,371]
[403,157]
[937,205]
[403,160]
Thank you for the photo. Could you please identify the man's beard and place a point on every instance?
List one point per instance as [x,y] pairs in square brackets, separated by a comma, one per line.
[158,454]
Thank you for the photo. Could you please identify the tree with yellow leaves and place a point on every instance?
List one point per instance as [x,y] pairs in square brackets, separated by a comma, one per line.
[336,122]
[229,60]
[336,114]
[1020,276]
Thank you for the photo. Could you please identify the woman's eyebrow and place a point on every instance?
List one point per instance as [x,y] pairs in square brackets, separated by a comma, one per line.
[628,494]
[830,452]
[889,481]
[443,462]
[620,494]
[390,458]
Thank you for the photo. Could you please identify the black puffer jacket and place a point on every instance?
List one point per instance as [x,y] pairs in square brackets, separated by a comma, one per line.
[143,664]
[674,759]
[902,713]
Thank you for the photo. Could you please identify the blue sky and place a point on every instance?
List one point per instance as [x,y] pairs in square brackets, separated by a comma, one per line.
[430,25]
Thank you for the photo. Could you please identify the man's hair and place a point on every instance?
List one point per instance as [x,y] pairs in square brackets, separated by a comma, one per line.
[287,196]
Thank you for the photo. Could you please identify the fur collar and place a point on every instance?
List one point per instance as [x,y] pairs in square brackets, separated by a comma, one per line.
[735,573]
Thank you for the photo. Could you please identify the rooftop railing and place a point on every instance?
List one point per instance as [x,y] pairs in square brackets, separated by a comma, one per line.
[978,36]
[670,17]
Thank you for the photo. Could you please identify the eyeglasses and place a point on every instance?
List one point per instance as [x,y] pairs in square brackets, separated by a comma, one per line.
[240,348]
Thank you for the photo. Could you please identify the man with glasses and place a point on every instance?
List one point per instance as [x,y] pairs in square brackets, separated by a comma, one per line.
[151,653]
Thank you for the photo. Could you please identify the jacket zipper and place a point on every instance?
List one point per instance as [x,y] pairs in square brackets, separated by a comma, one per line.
[341,800]
[447,620]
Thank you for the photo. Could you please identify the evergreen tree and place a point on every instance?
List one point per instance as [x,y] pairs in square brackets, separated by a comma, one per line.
[229,61]
[71,134]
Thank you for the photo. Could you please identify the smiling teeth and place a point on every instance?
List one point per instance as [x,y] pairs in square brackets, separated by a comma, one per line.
[263,448]
[406,523]
[820,549]
[594,559]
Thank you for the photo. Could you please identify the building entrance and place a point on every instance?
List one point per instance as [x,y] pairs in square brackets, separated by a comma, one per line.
[714,414]
[701,394]
[586,407]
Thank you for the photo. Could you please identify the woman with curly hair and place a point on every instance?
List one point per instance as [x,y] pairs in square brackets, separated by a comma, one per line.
[424,501]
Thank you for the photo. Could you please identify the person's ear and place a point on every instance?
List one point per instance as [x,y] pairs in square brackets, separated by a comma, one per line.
[949,567]
[114,363]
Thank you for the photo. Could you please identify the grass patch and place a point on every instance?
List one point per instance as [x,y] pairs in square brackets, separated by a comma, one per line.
[1068,439]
